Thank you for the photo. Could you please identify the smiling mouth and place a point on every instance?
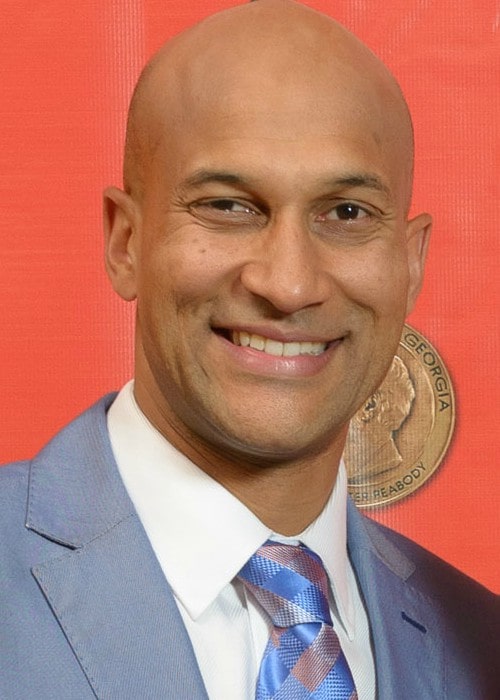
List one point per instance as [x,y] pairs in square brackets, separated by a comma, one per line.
[276,347]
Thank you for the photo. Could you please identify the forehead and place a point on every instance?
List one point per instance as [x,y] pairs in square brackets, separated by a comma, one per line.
[296,136]
[277,91]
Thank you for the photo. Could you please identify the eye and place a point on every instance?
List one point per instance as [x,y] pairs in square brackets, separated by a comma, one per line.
[347,222]
[348,211]
[227,212]
[227,205]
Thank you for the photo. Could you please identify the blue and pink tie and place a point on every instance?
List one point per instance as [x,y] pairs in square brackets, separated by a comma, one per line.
[303,659]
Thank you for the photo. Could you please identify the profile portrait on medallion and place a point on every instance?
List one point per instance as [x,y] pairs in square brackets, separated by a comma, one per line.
[371,450]
[398,438]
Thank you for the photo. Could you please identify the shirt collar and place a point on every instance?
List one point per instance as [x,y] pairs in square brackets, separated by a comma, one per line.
[199,531]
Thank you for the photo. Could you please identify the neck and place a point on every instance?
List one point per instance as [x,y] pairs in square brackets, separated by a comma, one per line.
[286,497]
[286,494]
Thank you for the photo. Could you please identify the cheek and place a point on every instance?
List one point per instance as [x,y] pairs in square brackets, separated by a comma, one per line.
[376,278]
[180,274]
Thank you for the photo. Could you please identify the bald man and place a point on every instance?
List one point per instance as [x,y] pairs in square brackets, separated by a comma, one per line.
[153,548]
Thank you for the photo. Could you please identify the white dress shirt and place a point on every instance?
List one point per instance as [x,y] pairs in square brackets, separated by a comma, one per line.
[202,536]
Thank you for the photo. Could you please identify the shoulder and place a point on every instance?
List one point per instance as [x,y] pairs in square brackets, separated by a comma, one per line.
[432,573]
[76,440]
[449,590]
[457,614]
[465,608]
[14,480]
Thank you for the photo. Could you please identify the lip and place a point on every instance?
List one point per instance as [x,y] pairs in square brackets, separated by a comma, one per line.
[260,363]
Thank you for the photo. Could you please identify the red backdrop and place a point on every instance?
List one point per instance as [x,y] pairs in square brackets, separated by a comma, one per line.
[67,74]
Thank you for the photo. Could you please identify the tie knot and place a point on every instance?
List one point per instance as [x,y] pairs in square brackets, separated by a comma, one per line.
[289,582]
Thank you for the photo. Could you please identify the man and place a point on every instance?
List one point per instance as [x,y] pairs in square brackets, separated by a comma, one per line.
[263,232]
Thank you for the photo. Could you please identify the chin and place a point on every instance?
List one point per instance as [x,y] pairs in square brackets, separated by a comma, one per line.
[262,446]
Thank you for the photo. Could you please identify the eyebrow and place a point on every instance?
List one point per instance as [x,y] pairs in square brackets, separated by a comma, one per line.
[359,179]
[202,177]
[368,180]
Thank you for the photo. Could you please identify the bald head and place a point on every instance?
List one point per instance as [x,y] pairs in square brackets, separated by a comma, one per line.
[268,171]
[272,55]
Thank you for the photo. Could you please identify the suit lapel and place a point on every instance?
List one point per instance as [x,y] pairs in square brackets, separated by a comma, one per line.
[107,589]
[118,613]
[406,638]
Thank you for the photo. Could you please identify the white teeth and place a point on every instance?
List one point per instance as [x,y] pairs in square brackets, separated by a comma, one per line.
[244,339]
[257,342]
[275,347]
[291,349]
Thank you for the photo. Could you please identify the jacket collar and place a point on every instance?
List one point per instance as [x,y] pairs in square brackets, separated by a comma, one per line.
[106,588]
[75,491]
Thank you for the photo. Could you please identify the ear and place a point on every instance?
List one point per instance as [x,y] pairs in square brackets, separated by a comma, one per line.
[370,407]
[120,237]
[417,241]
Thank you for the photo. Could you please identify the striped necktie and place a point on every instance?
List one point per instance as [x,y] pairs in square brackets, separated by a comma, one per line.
[303,659]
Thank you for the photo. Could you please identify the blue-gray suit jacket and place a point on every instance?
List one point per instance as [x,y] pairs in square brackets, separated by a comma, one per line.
[85,611]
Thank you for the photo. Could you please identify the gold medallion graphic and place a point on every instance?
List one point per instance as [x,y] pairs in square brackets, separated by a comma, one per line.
[398,438]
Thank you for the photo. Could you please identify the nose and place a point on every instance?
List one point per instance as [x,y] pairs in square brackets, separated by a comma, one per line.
[287,268]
